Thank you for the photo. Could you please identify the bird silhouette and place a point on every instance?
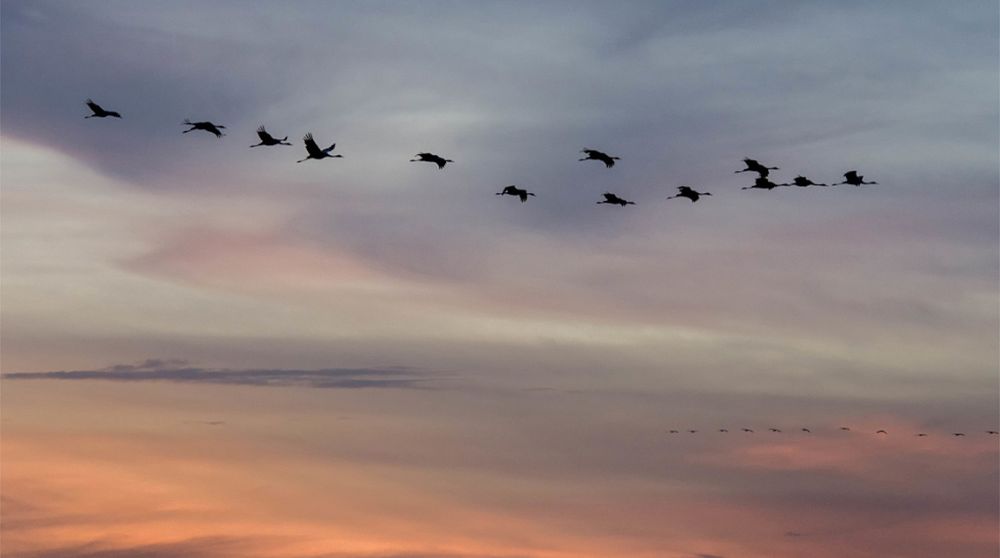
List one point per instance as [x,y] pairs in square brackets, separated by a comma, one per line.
[921,434]
[515,191]
[431,158]
[692,431]
[674,431]
[881,432]
[754,166]
[689,193]
[100,112]
[593,154]
[774,430]
[762,183]
[854,179]
[807,430]
[958,434]
[803,182]
[313,150]
[206,127]
[845,429]
[992,432]
[723,430]
[610,198]
[268,139]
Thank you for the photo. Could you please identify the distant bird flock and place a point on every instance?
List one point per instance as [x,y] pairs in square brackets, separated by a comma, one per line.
[313,151]
[879,432]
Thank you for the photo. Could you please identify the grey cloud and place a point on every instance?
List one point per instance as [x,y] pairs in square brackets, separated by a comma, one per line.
[202,547]
[177,371]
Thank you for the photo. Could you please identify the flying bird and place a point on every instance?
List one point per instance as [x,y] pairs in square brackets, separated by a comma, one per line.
[762,183]
[774,430]
[268,139]
[431,158]
[881,432]
[689,193]
[803,182]
[723,430]
[610,198]
[515,191]
[958,434]
[313,150]
[992,432]
[674,431]
[754,166]
[100,112]
[692,431]
[748,430]
[845,429]
[921,435]
[854,179]
[593,154]
[206,127]
[807,430]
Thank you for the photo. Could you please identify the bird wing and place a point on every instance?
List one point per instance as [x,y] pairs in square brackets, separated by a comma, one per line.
[263,135]
[851,175]
[94,106]
[311,148]
[608,196]
[523,194]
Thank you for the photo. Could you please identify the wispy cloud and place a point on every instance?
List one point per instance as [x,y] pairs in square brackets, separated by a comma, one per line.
[176,370]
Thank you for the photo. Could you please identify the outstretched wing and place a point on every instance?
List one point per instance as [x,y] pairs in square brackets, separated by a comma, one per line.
[96,108]
[329,149]
[851,175]
[311,148]
[609,197]
[263,135]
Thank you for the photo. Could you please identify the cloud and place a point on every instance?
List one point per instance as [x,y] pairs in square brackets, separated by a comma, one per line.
[207,547]
[176,370]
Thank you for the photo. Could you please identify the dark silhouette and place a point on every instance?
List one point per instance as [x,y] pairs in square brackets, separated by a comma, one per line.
[313,150]
[692,431]
[881,432]
[610,198]
[100,112]
[723,430]
[774,430]
[674,431]
[959,434]
[754,166]
[205,126]
[762,183]
[593,154]
[992,432]
[854,179]
[268,139]
[803,182]
[515,191]
[747,430]
[689,193]
[431,158]
[845,429]
[921,435]
[807,430]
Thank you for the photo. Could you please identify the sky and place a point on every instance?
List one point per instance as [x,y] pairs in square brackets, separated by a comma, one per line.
[210,350]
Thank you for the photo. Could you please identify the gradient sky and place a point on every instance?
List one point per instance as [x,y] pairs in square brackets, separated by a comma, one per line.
[367,357]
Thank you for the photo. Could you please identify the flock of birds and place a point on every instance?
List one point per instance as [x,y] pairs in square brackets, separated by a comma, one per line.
[879,432]
[314,151]
[761,182]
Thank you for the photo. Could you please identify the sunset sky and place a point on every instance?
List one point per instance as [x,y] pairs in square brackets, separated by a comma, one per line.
[211,350]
